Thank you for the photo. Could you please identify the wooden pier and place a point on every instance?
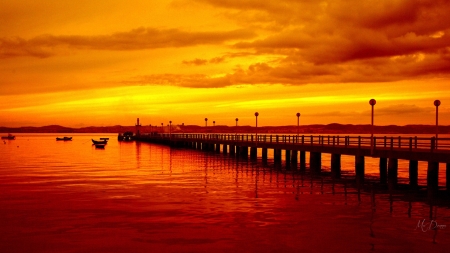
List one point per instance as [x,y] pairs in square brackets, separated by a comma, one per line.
[388,149]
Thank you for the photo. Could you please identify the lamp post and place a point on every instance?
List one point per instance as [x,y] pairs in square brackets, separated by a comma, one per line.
[170,129]
[298,122]
[256,115]
[236,126]
[206,122]
[214,123]
[372,102]
[437,103]
[162,127]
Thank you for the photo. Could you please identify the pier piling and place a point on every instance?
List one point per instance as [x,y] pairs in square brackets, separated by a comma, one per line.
[336,166]
[392,173]
[315,162]
[432,179]
[413,173]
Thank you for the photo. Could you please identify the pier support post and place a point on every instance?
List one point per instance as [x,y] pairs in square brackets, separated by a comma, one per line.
[392,173]
[243,151]
[432,179]
[315,162]
[336,165]
[288,157]
[232,149]
[225,149]
[277,155]
[413,173]
[447,177]
[294,155]
[264,155]
[383,170]
[359,169]
[253,153]
[302,160]
[218,147]
[238,150]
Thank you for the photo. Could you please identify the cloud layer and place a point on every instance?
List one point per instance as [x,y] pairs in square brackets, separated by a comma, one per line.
[137,39]
[283,42]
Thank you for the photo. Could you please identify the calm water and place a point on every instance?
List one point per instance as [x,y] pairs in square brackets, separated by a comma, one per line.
[131,197]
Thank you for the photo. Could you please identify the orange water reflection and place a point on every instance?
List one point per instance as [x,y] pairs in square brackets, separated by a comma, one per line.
[129,197]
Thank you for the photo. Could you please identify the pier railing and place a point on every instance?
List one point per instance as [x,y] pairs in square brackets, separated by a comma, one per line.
[377,142]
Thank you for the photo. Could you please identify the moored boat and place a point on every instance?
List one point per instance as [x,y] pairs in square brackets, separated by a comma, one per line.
[65,138]
[9,137]
[99,142]
[99,145]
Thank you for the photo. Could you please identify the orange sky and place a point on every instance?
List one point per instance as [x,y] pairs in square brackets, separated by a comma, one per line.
[109,62]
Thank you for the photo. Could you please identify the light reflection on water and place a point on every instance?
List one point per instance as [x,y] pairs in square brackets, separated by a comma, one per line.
[138,197]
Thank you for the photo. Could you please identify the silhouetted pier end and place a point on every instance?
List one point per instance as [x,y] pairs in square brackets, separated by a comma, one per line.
[388,149]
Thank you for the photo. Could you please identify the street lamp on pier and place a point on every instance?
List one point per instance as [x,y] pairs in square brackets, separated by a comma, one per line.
[372,102]
[214,123]
[298,122]
[170,129]
[437,103]
[256,115]
[206,122]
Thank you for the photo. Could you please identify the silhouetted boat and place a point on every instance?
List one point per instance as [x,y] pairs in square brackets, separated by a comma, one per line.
[100,145]
[9,137]
[99,142]
[64,138]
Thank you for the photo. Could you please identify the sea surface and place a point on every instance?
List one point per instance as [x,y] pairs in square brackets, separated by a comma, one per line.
[68,196]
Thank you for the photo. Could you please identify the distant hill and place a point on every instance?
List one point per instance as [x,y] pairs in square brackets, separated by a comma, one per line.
[309,129]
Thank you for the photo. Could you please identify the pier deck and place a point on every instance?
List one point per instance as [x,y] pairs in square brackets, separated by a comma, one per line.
[387,149]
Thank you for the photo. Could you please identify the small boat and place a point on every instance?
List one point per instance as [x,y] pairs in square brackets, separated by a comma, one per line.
[99,145]
[99,142]
[64,138]
[9,137]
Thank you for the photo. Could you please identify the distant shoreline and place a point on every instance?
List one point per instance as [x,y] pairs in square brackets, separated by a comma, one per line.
[305,129]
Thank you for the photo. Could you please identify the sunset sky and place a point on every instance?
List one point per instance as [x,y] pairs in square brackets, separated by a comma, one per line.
[101,63]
